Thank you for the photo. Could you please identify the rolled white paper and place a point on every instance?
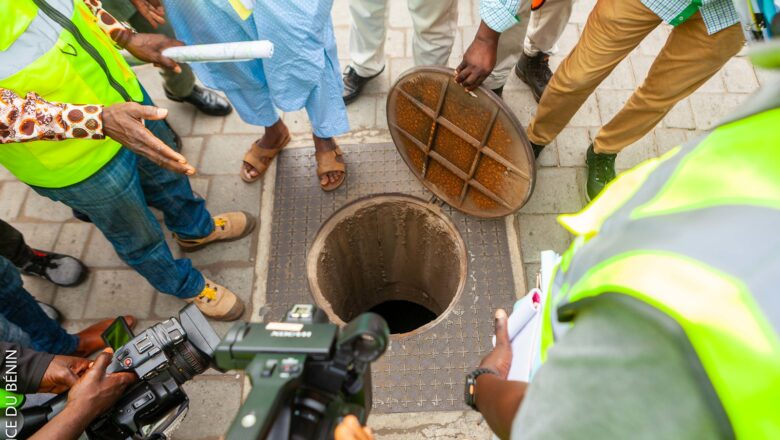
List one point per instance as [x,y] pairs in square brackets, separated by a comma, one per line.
[221,53]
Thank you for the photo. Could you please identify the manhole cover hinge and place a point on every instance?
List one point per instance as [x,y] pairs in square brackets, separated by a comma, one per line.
[436,201]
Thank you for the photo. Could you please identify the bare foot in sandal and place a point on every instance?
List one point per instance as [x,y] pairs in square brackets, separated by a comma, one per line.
[330,163]
[263,151]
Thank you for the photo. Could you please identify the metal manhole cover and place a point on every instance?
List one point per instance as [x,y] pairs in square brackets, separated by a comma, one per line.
[468,148]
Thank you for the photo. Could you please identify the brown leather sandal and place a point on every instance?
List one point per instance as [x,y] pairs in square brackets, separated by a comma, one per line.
[328,162]
[255,154]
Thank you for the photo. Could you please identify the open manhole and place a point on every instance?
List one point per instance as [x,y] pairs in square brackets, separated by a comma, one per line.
[392,254]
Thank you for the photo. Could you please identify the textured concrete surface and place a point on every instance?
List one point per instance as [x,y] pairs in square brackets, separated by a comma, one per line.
[216,146]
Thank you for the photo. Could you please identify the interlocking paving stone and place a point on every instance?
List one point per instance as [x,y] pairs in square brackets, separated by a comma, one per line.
[72,238]
[100,252]
[224,154]
[710,108]
[214,402]
[43,208]
[71,301]
[205,124]
[681,116]
[422,372]
[539,232]
[38,235]
[119,292]
[11,198]
[556,190]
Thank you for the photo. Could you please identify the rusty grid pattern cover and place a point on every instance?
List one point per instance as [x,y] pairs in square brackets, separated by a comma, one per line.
[424,372]
[468,148]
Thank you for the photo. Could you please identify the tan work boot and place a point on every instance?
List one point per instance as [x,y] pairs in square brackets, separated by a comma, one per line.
[217,302]
[227,227]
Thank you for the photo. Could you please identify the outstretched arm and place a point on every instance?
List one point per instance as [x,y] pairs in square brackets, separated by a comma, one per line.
[496,16]
[33,118]
[145,47]
[497,398]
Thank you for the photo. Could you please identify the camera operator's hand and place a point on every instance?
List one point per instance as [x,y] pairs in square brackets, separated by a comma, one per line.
[350,429]
[90,396]
[62,373]
[123,122]
[96,391]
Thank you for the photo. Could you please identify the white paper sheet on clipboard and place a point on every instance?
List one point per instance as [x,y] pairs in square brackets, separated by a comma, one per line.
[525,324]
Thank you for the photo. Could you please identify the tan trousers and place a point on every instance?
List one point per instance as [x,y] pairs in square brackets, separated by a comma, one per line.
[435,24]
[544,27]
[614,28]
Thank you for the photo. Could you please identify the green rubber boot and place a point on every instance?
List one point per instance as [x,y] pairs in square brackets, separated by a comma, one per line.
[601,171]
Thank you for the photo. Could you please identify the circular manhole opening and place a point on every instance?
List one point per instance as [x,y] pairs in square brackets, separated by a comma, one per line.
[391,254]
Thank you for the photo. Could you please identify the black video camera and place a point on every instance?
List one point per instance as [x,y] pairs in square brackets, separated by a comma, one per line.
[305,374]
[164,357]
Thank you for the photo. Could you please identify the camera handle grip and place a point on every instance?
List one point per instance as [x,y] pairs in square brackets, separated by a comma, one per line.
[270,392]
[35,417]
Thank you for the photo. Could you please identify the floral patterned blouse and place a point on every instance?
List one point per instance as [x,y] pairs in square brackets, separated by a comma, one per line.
[31,117]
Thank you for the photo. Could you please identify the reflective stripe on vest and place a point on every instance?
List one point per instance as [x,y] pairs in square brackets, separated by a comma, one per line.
[66,73]
[698,241]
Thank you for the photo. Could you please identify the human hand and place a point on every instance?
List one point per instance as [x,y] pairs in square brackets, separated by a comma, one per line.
[95,392]
[149,47]
[62,373]
[123,122]
[479,59]
[350,429]
[152,10]
[500,358]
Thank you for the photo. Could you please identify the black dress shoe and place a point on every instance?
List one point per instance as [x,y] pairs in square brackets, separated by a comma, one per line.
[534,71]
[205,100]
[353,83]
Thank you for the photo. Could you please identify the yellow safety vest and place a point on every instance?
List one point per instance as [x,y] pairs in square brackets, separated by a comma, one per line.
[694,234]
[83,67]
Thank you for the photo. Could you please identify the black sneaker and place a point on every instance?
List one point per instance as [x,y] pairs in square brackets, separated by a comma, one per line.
[601,171]
[353,83]
[62,270]
[205,100]
[534,71]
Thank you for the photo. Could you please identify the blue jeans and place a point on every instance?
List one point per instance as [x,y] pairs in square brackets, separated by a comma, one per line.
[23,321]
[116,199]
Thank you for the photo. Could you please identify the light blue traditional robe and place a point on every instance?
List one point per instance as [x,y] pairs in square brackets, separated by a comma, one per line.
[303,72]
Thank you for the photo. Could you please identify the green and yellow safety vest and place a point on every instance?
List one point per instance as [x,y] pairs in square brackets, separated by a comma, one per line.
[694,234]
[81,67]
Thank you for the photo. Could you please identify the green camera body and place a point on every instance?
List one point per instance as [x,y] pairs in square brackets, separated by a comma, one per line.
[305,373]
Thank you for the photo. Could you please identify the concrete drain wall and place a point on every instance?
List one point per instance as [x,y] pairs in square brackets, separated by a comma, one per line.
[392,254]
